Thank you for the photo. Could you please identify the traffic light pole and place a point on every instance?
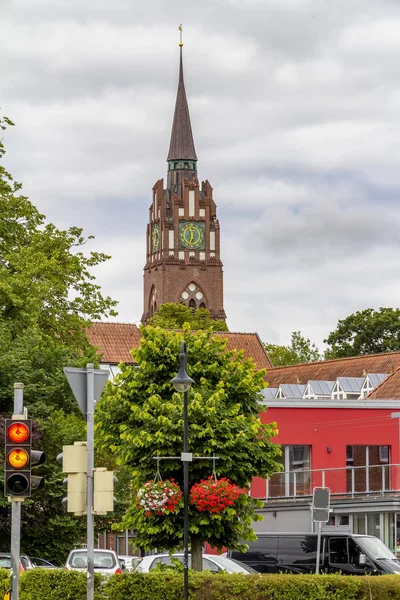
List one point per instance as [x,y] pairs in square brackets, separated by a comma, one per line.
[16,508]
[87,386]
[90,467]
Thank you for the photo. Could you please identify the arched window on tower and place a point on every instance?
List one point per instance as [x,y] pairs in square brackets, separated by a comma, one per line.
[152,301]
[192,304]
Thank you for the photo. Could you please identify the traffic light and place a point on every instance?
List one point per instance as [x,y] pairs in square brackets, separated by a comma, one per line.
[103,491]
[74,463]
[17,481]
[20,458]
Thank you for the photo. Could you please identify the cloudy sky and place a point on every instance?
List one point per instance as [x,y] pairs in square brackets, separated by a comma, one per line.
[295,109]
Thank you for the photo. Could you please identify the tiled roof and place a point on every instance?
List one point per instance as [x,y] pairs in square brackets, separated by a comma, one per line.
[329,370]
[389,389]
[115,340]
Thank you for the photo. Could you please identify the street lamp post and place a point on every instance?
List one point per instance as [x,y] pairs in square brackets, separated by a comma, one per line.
[182,383]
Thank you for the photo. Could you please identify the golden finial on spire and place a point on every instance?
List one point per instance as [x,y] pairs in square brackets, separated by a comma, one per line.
[180,35]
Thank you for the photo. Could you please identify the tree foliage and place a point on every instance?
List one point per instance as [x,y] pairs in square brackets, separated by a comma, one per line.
[300,350]
[141,416]
[173,315]
[47,297]
[365,332]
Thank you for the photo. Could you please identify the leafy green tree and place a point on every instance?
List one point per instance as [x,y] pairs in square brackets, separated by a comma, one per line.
[48,296]
[301,350]
[141,416]
[173,315]
[365,332]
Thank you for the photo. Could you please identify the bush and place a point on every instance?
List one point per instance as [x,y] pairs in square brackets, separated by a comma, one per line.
[4,581]
[71,585]
[56,584]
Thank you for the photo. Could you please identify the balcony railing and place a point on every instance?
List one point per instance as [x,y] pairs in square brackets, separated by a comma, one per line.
[346,481]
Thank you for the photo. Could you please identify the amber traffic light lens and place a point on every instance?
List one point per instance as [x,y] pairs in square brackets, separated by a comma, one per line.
[18,432]
[18,458]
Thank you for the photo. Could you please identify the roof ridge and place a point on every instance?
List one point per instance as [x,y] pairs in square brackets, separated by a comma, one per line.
[332,360]
[113,323]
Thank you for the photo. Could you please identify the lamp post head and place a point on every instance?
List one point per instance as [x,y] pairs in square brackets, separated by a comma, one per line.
[182,382]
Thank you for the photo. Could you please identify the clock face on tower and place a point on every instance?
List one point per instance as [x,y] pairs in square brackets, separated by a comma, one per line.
[155,237]
[191,235]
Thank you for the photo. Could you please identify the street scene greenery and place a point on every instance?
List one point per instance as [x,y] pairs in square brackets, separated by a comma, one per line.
[140,416]
[71,585]
[367,331]
[300,350]
[173,315]
[48,298]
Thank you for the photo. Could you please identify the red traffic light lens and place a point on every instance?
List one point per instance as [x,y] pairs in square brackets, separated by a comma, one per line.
[18,458]
[18,432]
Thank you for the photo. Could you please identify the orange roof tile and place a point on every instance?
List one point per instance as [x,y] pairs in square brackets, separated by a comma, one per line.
[389,389]
[328,370]
[115,340]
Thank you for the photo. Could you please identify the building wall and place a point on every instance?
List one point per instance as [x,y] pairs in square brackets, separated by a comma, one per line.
[293,519]
[334,429]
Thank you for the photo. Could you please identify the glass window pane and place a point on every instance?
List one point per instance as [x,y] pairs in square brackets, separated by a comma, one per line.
[359,523]
[297,550]
[338,554]
[210,566]
[388,525]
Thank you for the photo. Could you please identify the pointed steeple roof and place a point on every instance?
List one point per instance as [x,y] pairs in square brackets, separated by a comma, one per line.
[181,145]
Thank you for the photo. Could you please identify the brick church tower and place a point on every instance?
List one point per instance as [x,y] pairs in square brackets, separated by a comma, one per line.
[183,236]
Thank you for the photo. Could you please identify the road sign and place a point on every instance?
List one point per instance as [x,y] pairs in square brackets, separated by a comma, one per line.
[77,379]
[320,505]
[320,514]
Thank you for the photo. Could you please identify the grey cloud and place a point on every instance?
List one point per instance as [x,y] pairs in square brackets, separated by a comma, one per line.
[295,113]
[315,233]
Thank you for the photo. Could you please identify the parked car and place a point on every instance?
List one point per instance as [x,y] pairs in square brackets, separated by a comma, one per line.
[25,563]
[129,563]
[105,561]
[348,553]
[42,563]
[211,562]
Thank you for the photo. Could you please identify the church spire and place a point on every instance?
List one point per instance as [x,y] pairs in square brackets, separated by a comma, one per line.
[181,146]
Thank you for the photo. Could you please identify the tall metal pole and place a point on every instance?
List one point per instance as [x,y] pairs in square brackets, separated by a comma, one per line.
[185,497]
[90,467]
[16,508]
[318,546]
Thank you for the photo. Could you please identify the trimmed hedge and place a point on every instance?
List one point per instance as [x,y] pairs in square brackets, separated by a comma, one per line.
[47,584]
[4,581]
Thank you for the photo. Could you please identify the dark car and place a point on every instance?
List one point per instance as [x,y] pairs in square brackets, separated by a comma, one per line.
[348,553]
[42,563]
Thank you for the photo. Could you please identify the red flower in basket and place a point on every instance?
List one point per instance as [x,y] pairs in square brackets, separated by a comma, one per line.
[159,498]
[213,495]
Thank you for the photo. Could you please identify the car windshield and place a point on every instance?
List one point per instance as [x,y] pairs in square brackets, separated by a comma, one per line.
[102,560]
[375,548]
[5,562]
[232,565]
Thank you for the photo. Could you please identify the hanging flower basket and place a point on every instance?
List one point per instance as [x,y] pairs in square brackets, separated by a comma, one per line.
[213,495]
[159,498]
